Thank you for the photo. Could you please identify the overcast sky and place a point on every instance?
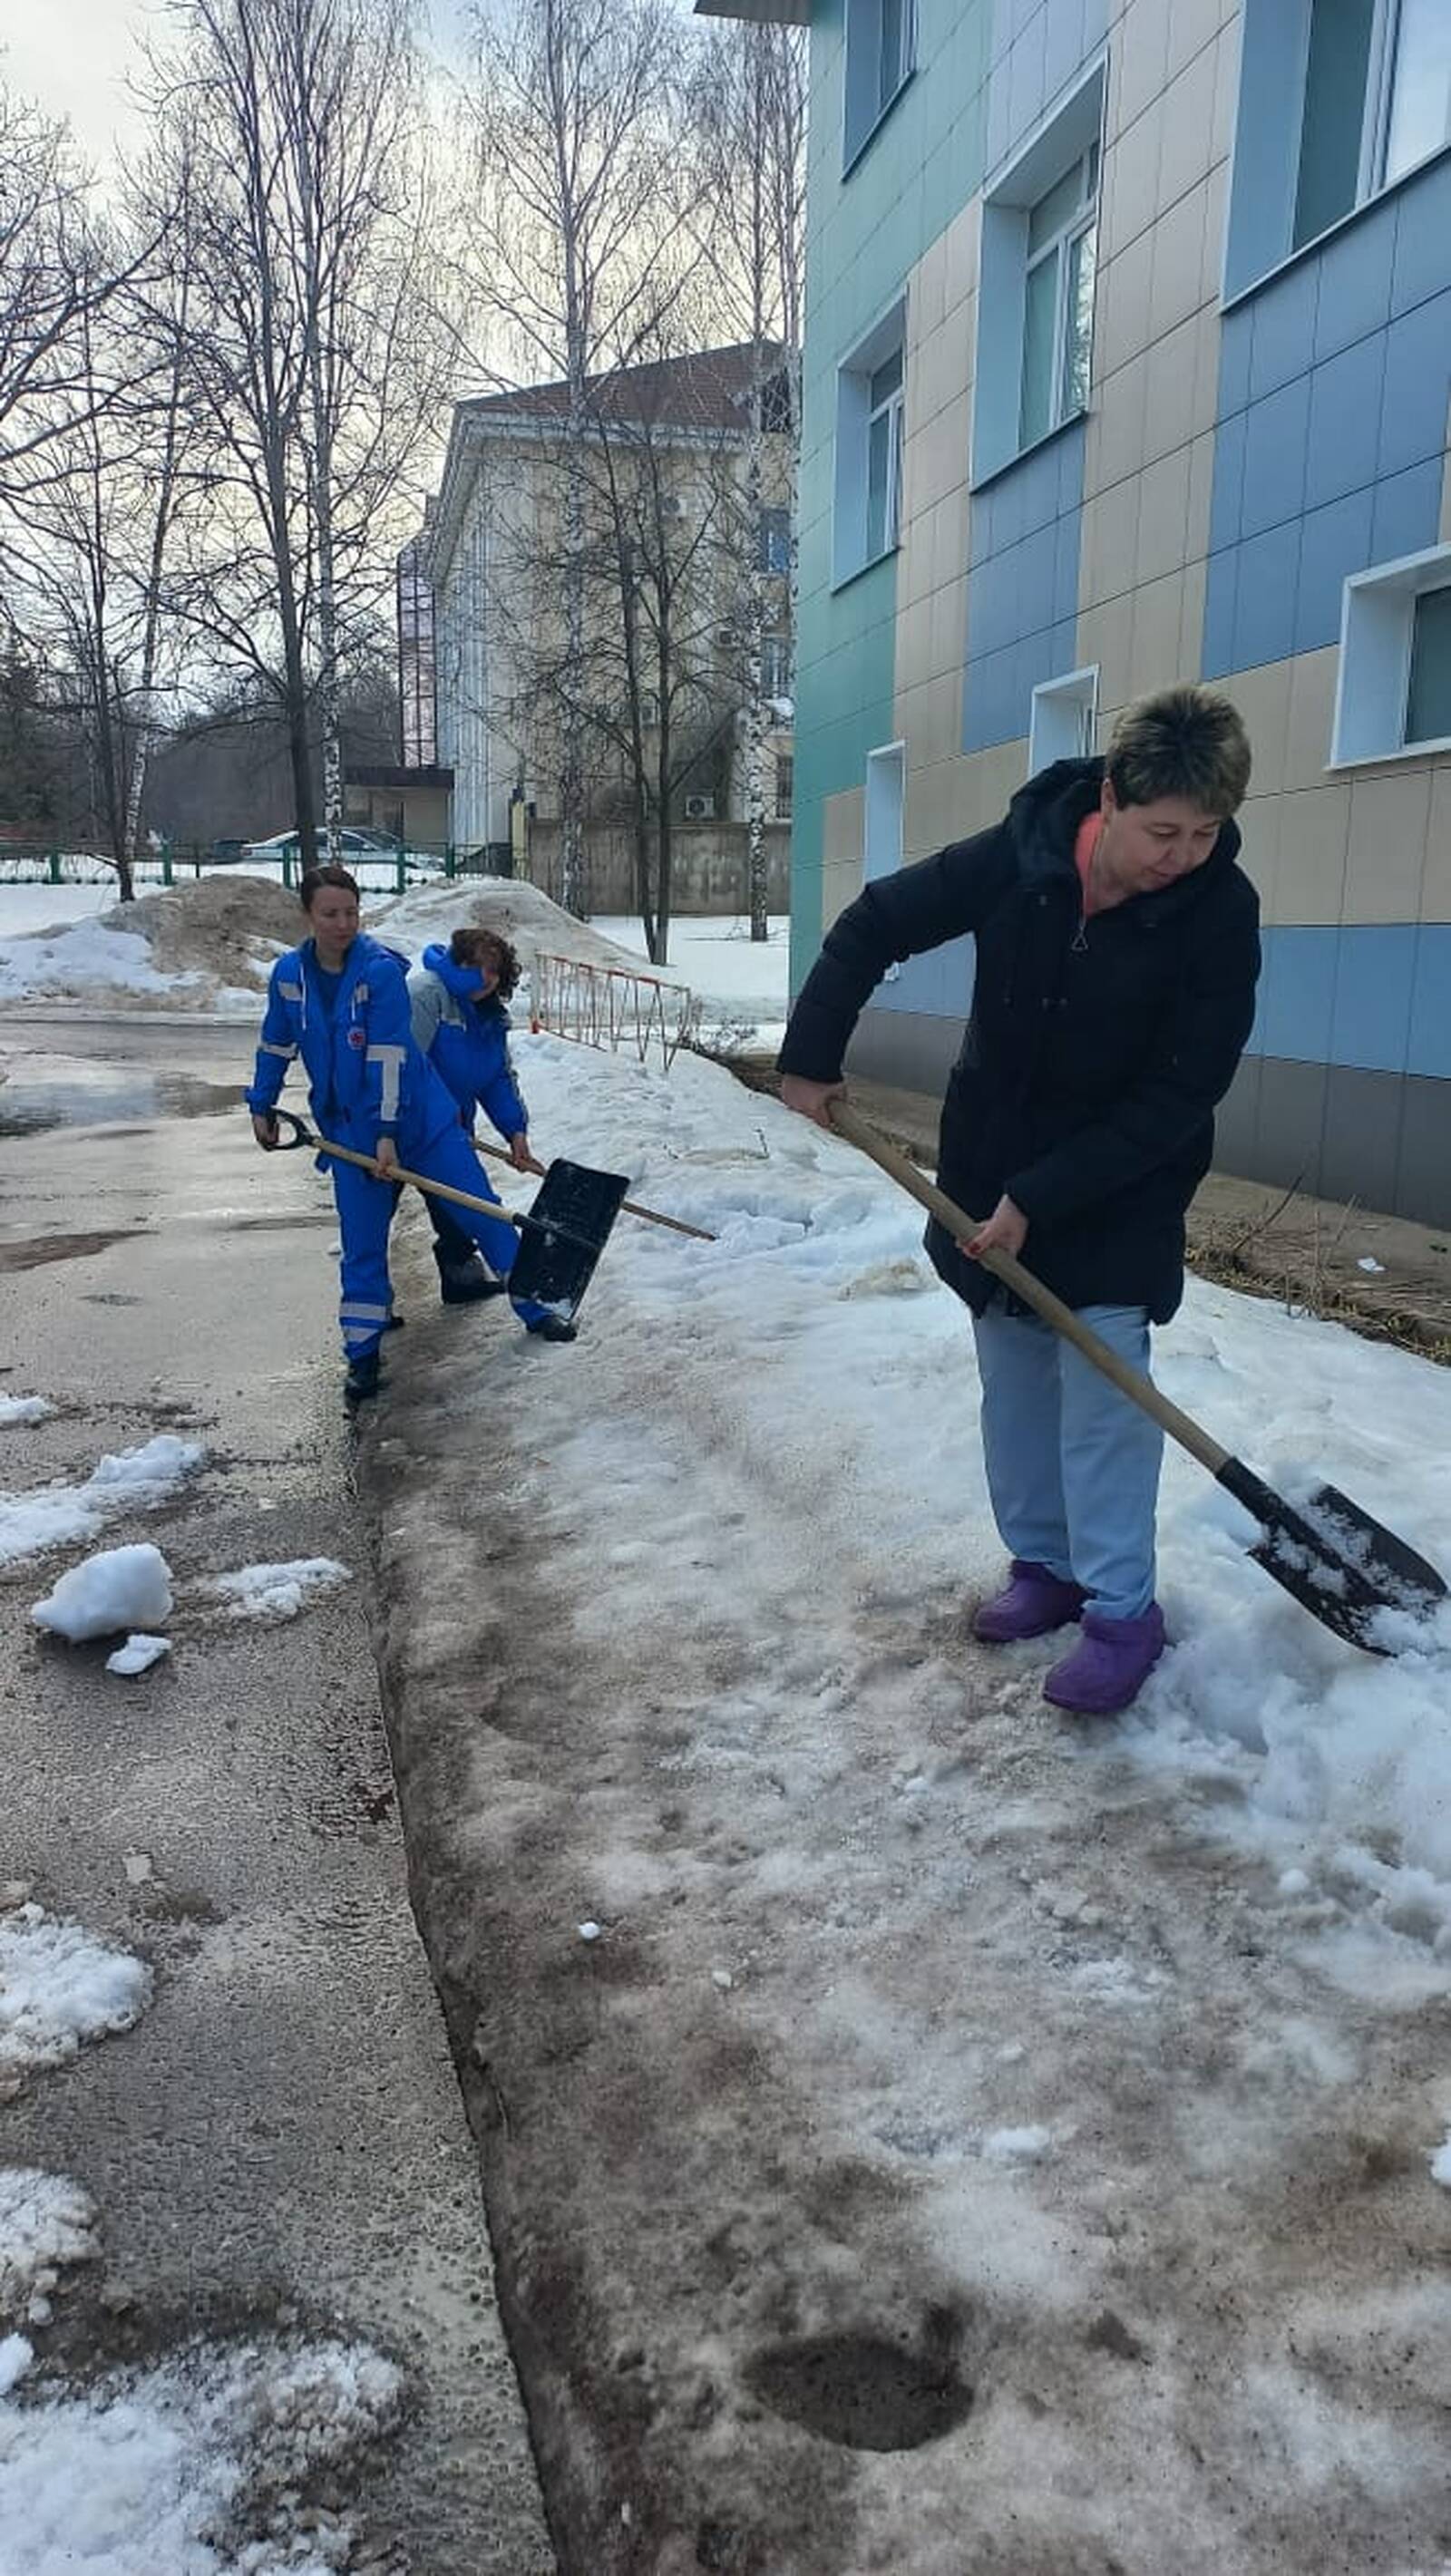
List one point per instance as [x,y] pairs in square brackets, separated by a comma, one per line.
[74,57]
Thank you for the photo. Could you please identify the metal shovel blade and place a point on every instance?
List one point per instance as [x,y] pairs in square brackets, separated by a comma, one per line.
[564,1234]
[1338,1563]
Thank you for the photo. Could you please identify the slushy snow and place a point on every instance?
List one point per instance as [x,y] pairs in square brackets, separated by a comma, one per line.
[47,2222]
[60,1988]
[60,1515]
[280,1591]
[17,1409]
[123,1587]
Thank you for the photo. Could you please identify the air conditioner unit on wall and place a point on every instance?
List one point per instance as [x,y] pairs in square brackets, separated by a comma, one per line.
[699,809]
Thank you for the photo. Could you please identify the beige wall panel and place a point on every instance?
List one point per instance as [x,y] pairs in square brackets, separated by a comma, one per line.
[927,290]
[1105,636]
[940,735]
[1263,699]
[1176,285]
[1114,441]
[1389,820]
[1201,491]
[1109,542]
[1314,837]
[1186,151]
[1142,48]
[1193,24]
[1435,902]
[1121,326]
[914,645]
[1131,183]
[960,256]
[1163,518]
[1259,821]
[947,645]
[909,714]
[1171,373]
[841,883]
[1226,81]
[843,826]
[916,565]
[947,532]
[1158,608]
[1191,624]
[1312,709]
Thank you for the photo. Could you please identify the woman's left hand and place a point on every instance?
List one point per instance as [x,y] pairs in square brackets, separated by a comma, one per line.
[520,1156]
[385,1155]
[1005,1231]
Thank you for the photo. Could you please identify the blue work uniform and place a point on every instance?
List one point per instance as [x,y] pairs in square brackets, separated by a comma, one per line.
[367,1080]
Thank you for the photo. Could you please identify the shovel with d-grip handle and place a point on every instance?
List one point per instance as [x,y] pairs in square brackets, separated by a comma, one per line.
[561,1236]
[1339,1564]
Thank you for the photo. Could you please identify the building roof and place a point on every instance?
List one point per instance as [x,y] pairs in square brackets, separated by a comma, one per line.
[758,13]
[704,390]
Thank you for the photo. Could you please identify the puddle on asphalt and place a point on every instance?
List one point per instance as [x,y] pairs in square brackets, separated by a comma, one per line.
[69,1093]
[63,1247]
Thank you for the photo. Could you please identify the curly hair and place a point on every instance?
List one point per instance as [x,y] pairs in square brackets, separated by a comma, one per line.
[487,948]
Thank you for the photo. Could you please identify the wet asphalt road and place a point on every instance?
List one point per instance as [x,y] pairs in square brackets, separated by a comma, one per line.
[281,2139]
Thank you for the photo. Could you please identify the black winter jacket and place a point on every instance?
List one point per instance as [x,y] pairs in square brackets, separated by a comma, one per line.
[1094,1053]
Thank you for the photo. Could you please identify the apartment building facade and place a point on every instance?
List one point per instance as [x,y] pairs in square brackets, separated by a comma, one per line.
[1128,358]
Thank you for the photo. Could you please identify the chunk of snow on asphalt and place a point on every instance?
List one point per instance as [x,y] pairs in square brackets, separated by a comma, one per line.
[138,1654]
[59,1515]
[280,1591]
[1368,1263]
[59,1988]
[145,2471]
[1441,2163]
[123,1587]
[16,2356]
[46,2222]
[15,1409]
[1017,2146]
[589,1931]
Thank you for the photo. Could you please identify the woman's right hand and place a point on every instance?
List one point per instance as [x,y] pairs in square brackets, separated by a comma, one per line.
[265,1129]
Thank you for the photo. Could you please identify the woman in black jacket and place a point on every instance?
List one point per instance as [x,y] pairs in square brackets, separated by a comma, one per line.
[1117,953]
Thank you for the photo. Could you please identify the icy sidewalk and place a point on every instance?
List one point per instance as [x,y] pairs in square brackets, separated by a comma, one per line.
[914,2129]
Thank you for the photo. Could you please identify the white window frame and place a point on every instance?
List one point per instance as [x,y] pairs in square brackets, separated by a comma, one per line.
[775,675]
[1079,226]
[1071,136]
[1265,184]
[1372,685]
[884,812]
[1064,719]
[852,551]
[870,84]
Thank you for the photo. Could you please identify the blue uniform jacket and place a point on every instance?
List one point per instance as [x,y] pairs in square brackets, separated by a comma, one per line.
[366,1077]
[466,1040]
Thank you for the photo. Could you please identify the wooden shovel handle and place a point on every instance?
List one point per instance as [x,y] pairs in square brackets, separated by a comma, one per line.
[431,1189]
[1139,1389]
[652,1216]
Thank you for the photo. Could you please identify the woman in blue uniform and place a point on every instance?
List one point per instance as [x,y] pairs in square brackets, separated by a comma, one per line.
[339,1000]
[456,1000]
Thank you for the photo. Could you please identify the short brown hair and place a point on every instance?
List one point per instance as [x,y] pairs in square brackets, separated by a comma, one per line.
[487,948]
[1186,741]
[314,879]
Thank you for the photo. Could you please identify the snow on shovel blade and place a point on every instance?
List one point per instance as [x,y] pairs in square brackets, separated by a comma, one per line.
[564,1234]
[1339,1564]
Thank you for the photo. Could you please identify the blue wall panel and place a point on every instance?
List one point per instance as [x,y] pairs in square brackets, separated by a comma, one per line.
[1371,997]
[1023,591]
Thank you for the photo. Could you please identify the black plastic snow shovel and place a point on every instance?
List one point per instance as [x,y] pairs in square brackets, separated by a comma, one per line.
[1339,1564]
[561,1236]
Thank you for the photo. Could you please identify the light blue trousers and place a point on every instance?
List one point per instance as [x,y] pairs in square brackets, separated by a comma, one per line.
[1072,1466]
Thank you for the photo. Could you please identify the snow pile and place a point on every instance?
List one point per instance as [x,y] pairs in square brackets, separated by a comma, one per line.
[15,1409]
[123,1587]
[138,1654]
[815,1330]
[46,2222]
[205,946]
[59,1515]
[193,2465]
[280,1591]
[521,913]
[60,1989]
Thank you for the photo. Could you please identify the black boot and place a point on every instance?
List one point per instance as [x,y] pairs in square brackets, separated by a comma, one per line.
[463,1283]
[361,1381]
[552,1328]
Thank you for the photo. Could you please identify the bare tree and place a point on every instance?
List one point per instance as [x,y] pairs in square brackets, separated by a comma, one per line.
[306,347]
[55,275]
[749,97]
[580,244]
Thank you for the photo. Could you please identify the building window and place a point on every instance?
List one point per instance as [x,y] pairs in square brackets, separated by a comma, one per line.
[1063,719]
[1037,276]
[1365,86]
[775,666]
[870,429]
[1393,693]
[1058,301]
[881,38]
[774,552]
[785,778]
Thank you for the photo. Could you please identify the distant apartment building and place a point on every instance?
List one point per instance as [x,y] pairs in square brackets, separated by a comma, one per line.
[1128,358]
[492,558]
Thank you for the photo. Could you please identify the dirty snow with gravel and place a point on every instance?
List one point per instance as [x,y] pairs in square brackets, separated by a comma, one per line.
[194,2466]
[279,1591]
[23,1409]
[47,2222]
[60,1515]
[60,1988]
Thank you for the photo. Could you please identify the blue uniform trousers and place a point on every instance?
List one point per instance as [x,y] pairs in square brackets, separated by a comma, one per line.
[365,1212]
